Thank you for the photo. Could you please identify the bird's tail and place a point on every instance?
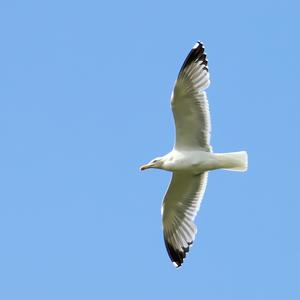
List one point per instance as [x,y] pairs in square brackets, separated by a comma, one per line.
[233,161]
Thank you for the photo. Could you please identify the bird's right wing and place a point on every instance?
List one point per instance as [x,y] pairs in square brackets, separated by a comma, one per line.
[180,206]
[189,102]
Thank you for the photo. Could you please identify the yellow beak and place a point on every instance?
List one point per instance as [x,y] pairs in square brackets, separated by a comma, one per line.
[145,167]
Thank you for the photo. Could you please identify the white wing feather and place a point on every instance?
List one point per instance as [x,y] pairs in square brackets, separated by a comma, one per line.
[180,206]
[189,102]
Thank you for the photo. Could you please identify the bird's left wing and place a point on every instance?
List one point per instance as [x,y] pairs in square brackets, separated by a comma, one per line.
[189,102]
[179,209]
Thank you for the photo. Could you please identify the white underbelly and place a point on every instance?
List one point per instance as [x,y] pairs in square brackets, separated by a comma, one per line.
[193,161]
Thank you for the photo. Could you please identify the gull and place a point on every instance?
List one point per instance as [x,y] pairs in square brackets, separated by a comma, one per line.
[191,157]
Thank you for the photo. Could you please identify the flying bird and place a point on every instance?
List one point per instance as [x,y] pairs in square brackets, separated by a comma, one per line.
[192,156]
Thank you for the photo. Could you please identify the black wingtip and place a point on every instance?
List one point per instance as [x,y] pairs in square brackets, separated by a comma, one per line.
[177,256]
[196,54]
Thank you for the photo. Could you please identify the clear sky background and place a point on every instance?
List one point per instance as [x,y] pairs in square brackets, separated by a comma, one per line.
[84,101]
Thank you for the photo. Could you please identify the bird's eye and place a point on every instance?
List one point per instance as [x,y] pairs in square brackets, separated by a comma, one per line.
[154,161]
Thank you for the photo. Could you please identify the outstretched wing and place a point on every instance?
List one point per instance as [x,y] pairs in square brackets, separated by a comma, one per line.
[189,102]
[180,206]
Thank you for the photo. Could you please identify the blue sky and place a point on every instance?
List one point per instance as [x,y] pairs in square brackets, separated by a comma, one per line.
[84,101]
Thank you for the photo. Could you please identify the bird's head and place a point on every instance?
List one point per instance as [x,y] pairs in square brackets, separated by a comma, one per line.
[154,163]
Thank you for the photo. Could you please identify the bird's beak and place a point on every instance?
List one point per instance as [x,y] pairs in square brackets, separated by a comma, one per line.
[145,167]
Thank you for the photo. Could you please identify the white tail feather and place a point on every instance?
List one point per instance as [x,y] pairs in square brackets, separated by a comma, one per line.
[233,161]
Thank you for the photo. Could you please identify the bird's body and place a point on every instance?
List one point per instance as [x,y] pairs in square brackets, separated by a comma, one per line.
[191,157]
[199,161]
